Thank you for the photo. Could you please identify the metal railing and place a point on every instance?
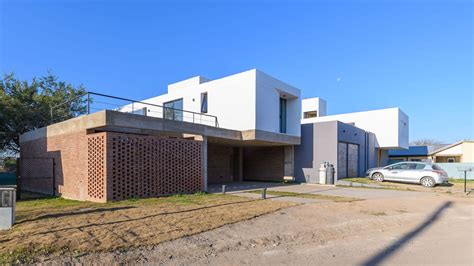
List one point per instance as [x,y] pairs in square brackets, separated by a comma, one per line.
[98,101]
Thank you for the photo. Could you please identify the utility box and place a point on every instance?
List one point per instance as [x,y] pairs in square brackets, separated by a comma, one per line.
[7,207]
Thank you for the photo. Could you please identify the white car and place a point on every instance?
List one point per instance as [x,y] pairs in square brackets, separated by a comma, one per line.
[426,174]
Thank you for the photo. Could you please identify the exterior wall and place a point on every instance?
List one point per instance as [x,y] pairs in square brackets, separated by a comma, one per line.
[390,126]
[113,166]
[269,91]
[319,143]
[150,166]
[232,99]
[70,154]
[220,164]
[304,156]
[444,159]
[468,152]
[244,101]
[456,150]
[313,104]
[263,163]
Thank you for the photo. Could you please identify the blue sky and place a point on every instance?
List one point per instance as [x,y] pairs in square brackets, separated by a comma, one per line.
[358,55]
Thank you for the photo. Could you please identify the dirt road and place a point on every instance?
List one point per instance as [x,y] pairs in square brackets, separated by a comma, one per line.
[427,229]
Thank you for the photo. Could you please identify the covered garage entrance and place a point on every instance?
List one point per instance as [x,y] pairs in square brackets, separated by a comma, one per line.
[227,163]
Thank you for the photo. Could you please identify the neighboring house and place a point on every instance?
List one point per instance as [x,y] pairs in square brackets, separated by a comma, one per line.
[458,152]
[352,142]
[246,126]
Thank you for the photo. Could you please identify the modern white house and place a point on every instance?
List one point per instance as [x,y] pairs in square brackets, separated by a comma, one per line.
[250,100]
[244,127]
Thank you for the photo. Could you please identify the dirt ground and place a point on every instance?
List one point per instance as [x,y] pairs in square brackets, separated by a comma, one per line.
[49,228]
[428,228]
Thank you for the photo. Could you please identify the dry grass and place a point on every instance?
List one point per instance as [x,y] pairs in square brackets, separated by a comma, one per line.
[53,227]
[306,195]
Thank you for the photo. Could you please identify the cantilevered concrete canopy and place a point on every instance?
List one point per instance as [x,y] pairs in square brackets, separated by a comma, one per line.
[114,121]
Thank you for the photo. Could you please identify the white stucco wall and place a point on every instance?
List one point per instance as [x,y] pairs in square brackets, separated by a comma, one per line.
[390,126]
[313,104]
[244,101]
[269,91]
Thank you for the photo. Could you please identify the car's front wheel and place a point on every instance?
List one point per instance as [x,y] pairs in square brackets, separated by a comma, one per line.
[377,177]
[428,181]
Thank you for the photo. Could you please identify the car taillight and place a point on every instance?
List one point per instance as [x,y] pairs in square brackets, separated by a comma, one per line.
[438,172]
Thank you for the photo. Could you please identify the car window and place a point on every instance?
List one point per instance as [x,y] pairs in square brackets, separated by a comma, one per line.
[402,166]
[436,167]
[417,166]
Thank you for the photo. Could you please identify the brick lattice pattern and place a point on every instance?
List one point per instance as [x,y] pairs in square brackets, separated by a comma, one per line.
[142,166]
[96,161]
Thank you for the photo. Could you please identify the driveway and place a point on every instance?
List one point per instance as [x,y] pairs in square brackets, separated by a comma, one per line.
[240,188]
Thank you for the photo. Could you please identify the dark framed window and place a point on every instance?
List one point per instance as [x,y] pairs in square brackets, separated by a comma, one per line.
[204,102]
[282,115]
[173,110]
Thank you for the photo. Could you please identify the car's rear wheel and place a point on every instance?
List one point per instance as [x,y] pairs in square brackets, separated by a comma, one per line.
[428,181]
[377,177]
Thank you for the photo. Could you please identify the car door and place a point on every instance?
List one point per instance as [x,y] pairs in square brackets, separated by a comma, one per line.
[414,173]
[398,172]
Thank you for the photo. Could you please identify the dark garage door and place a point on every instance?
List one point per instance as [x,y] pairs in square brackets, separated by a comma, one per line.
[347,160]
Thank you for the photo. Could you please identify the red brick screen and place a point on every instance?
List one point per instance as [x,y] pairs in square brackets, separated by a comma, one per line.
[96,162]
[143,166]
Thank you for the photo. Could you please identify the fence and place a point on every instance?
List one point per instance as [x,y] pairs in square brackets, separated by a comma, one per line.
[98,101]
[37,175]
[453,170]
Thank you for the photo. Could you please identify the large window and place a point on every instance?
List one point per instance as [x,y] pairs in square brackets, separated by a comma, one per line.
[282,115]
[204,102]
[173,110]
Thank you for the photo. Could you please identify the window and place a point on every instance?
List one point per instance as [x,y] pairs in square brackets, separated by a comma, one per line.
[310,114]
[401,166]
[173,110]
[415,160]
[204,102]
[416,166]
[282,115]
[436,167]
[451,160]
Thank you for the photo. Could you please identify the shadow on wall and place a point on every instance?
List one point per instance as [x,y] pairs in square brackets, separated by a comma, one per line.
[390,250]
[40,168]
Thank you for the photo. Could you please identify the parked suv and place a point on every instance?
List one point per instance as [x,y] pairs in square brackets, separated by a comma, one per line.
[426,174]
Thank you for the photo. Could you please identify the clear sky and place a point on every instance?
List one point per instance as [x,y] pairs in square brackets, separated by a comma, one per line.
[358,55]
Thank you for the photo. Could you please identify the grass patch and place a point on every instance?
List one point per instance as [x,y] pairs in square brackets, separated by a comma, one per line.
[457,181]
[53,227]
[306,195]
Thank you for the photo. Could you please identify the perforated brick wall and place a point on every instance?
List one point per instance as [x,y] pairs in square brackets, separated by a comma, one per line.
[96,163]
[142,166]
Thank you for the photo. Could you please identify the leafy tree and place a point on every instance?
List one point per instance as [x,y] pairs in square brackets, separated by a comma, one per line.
[26,106]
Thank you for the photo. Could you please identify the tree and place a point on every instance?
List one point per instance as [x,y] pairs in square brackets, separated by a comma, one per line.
[26,106]
[425,142]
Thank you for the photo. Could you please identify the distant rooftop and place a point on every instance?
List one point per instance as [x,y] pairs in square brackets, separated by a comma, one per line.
[411,151]
[423,150]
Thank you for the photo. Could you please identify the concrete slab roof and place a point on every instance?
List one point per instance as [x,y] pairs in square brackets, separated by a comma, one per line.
[108,120]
